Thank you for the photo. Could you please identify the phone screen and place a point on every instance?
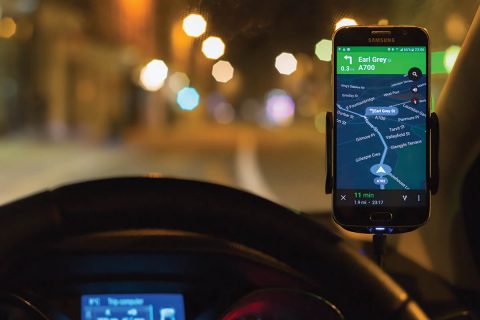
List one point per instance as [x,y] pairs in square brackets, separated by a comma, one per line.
[381,114]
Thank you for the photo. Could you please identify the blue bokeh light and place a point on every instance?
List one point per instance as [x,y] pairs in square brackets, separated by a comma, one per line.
[188,98]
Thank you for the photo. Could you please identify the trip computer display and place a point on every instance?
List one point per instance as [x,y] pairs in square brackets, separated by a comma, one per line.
[133,307]
[381,117]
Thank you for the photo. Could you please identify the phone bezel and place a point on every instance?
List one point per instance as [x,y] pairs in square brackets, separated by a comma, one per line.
[356,218]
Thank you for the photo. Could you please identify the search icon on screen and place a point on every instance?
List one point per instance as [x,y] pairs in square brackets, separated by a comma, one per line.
[414,74]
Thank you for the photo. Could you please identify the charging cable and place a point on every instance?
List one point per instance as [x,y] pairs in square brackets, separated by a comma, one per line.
[379,240]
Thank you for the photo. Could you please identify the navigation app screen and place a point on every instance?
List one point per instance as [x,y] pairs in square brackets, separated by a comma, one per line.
[381,115]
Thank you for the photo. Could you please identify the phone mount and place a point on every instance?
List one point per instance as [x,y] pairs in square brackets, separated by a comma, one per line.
[434,177]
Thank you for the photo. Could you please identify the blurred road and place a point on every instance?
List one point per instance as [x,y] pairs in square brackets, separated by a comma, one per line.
[284,165]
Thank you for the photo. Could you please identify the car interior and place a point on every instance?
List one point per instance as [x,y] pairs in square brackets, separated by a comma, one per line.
[128,198]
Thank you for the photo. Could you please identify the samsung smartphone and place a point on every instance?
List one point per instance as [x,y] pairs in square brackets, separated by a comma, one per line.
[381,128]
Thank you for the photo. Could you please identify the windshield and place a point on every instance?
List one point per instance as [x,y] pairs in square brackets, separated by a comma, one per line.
[232,92]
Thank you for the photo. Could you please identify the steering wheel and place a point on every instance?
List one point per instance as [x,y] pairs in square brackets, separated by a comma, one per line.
[352,282]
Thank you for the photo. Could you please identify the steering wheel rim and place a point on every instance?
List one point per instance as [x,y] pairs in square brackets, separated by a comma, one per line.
[215,210]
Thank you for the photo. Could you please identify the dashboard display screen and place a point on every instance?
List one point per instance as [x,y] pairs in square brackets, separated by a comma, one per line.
[133,307]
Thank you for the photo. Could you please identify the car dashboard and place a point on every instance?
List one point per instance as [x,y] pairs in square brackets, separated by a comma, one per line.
[155,274]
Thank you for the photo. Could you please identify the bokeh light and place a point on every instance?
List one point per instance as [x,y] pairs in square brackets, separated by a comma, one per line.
[280,108]
[383,22]
[323,50]
[345,22]
[456,27]
[194,25]
[286,63]
[8,27]
[153,75]
[177,81]
[451,55]
[188,98]
[222,71]
[213,48]
[223,113]
[219,109]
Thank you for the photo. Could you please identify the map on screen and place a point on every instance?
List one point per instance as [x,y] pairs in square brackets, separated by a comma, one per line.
[381,114]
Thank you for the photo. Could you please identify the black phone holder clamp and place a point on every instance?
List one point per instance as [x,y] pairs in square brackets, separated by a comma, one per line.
[434,153]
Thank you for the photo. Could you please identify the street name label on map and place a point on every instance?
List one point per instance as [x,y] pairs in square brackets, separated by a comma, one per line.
[391,93]
[360,103]
[405,144]
[408,118]
[351,86]
[368,156]
[397,128]
[381,111]
[397,135]
[371,135]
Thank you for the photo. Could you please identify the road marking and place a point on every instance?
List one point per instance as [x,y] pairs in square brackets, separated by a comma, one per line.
[247,168]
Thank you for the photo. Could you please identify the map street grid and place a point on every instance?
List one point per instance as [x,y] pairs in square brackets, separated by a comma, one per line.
[381,131]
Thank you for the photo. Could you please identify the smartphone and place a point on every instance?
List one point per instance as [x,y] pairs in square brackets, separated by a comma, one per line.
[381,137]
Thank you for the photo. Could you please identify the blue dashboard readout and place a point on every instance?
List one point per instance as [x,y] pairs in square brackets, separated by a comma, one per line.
[133,307]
